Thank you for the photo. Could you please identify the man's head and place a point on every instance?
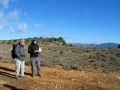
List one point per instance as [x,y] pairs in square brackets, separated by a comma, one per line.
[34,41]
[22,41]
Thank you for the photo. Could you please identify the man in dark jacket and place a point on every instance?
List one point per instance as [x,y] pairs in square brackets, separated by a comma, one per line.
[20,54]
[34,50]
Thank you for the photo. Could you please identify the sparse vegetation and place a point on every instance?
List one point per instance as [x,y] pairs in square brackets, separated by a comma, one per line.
[67,57]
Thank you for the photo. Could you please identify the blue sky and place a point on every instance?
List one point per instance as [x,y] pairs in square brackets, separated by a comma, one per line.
[77,21]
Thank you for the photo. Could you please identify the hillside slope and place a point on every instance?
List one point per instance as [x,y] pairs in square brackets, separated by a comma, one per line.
[69,57]
[58,79]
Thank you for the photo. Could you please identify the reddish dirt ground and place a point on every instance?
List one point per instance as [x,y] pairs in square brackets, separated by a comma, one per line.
[58,79]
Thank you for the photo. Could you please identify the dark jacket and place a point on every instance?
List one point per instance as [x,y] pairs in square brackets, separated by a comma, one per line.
[31,49]
[20,52]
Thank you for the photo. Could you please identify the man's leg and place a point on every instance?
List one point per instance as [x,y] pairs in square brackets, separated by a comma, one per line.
[38,66]
[22,68]
[33,61]
[17,67]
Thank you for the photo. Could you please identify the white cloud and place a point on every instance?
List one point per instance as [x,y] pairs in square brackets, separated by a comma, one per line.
[38,26]
[11,18]
[1,26]
[61,21]
[1,14]
[3,22]
[4,3]
[12,29]
[52,33]
[21,27]
[14,15]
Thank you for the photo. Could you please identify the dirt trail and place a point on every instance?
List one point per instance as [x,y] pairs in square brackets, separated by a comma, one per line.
[57,79]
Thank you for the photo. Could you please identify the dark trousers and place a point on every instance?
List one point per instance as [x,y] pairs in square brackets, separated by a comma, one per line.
[35,61]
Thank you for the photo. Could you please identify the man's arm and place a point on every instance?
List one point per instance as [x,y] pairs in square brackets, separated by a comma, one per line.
[39,50]
[30,49]
[17,51]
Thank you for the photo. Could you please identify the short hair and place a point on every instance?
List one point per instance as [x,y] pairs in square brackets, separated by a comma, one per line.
[21,40]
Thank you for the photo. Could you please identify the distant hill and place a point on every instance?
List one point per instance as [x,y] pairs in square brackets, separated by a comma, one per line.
[108,45]
[103,45]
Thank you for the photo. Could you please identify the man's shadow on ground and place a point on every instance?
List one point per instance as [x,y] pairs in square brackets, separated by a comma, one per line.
[5,73]
[12,87]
